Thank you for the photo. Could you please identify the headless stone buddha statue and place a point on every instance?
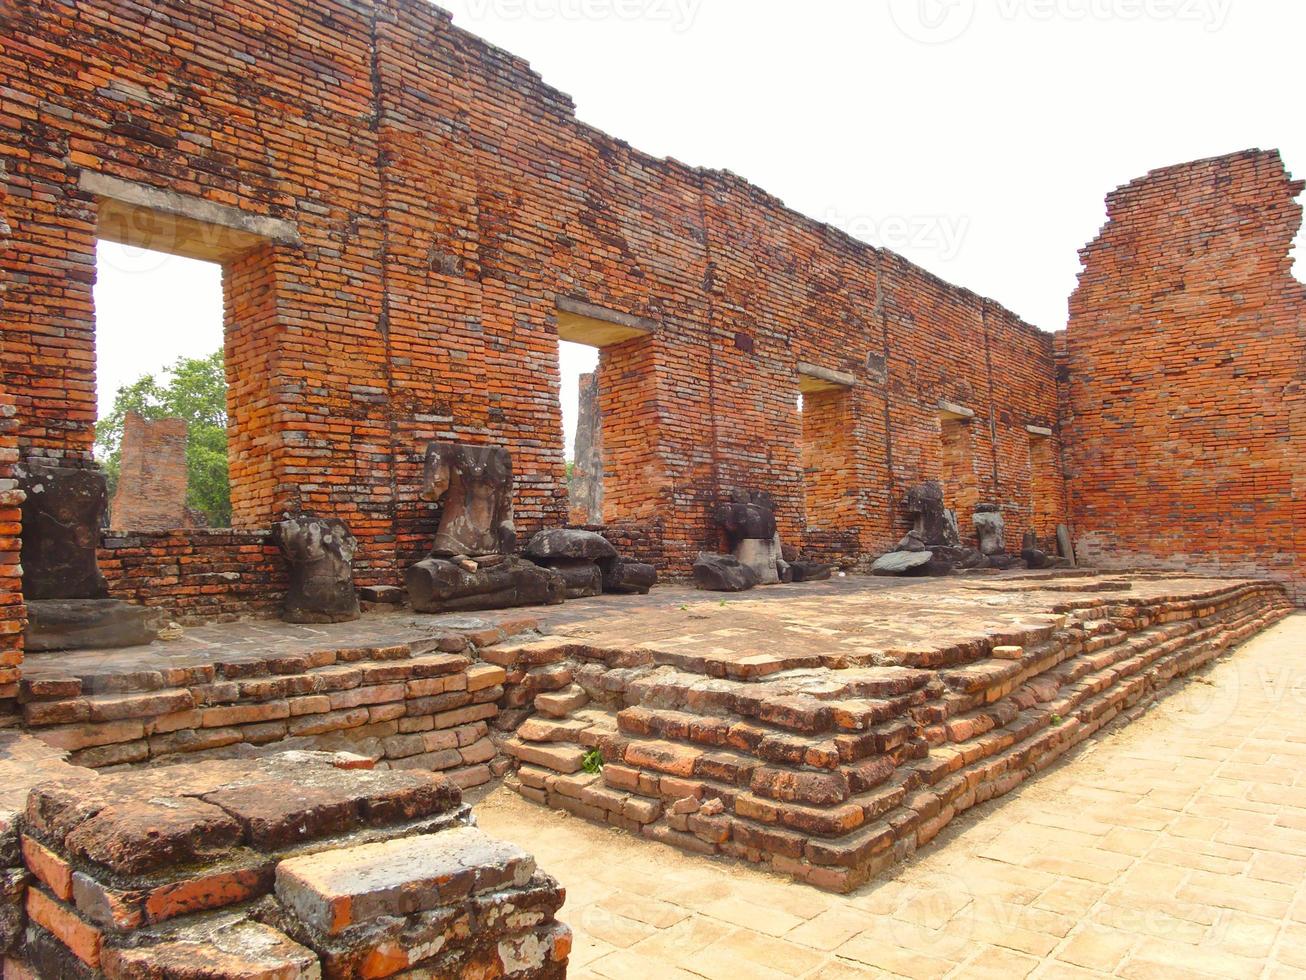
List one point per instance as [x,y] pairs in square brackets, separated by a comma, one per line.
[475,484]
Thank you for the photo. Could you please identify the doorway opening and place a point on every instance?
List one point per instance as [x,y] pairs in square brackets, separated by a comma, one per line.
[957,445]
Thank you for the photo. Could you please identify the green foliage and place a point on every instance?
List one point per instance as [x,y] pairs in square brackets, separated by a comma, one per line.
[194,389]
[593,761]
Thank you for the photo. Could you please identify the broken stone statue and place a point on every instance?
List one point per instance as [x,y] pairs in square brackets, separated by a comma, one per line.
[723,573]
[67,597]
[933,545]
[575,555]
[748,521]
[320,553]
[589,563]
[990,529]
[472,565]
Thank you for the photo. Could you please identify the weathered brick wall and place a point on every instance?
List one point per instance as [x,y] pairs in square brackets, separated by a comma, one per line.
[197,575]
[12,614]
[1184,366]
[152,477]
[444,198]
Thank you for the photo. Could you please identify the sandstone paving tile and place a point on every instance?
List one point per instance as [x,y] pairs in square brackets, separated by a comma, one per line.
[585,948]
[828,930]
[1196,859]
[1096,949]
[1277,868]
[997,963]
[1145,919]
[1229,898]
[650,911]
[1013,937]
[752,949]
[764,919]
[627,964]
[1201,959]
[1196,828]
[787,896]
[615,930]
[838,969]
[1070,897]
[896,960]
[684,939]
[1056,970]
[1126,840]
[1245,935]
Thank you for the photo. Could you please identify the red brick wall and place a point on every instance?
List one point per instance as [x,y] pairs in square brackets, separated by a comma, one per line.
[445,197]
[197,575]
[152,482]
[12,615]
[1185,358]
[829,492]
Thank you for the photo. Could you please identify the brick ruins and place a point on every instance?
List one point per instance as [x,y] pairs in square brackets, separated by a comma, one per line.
[408,221]
[152,481]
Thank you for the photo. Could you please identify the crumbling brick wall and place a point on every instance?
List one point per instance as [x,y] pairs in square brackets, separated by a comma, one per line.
[12,611]
[152,477]
[1184,366]
[443,198]
[197,575]
[12,614]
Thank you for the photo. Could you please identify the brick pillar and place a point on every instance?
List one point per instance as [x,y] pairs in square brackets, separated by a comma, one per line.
[152,480]
[586,487]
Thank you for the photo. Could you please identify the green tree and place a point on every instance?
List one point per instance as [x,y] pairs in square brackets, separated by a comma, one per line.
[194,389]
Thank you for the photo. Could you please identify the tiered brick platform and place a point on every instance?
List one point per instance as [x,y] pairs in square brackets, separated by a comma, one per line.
[301,865]
[830,734]
[406,694]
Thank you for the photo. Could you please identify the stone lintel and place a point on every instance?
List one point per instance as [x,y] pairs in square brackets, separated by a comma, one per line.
[1042,431]
[951,410]
[813,378]
[180,224]
[580,322]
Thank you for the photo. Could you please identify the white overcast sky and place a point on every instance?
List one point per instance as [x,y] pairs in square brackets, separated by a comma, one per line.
[976,137]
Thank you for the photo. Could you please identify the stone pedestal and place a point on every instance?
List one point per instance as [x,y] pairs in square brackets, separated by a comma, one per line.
[89,624]
[320,553]
[62,517]
[68,606]
[991,530]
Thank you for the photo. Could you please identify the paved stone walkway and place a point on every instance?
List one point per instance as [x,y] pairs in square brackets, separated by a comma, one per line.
[1173,847]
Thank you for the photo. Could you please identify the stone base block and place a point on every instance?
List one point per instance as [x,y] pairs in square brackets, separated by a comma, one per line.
[724,573]
[624,577]
[89,624]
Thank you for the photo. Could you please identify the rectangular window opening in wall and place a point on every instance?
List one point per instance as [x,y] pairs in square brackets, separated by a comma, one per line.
[828,483]
[161,433]
[614,449]
[957,473]
[1043,486]
[582,431]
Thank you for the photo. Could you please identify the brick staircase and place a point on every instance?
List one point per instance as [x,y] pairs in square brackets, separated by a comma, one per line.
[833,775]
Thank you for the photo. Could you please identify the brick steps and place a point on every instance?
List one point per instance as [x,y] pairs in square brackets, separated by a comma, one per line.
[404,706]
[793,772]
[300,866]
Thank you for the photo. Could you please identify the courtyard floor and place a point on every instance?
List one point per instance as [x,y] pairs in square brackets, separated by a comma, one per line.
[1174,846]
